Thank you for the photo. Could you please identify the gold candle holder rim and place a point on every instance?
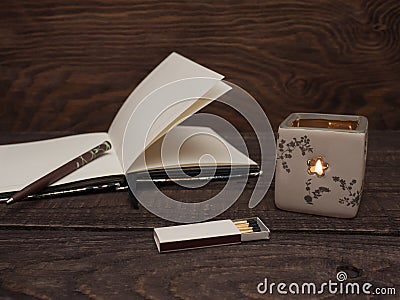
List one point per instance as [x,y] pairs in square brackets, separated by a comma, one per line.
[326,122]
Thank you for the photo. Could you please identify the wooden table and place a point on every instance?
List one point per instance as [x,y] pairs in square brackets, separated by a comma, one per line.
[69,65]
[98,246]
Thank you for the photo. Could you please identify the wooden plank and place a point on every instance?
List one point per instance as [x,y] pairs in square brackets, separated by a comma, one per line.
[379,211]
[75,64]
[102,265]
[71,65]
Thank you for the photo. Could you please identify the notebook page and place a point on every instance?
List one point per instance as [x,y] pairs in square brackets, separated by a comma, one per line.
[23,163]
[187,146]
[149,118]
[174,67]
[216,91]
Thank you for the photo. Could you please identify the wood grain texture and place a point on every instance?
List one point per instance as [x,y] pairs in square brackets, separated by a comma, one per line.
[70,65]
[66,67]
[126,265]
[379,212]
[99,247]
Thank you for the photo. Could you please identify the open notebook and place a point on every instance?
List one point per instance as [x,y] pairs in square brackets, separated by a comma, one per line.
[144,137]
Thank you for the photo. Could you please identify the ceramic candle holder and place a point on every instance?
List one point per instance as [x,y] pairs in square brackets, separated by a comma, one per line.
[321,163]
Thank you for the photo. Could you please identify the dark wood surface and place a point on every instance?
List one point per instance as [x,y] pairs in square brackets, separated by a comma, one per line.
[67,66]
[74,62]
[98,246]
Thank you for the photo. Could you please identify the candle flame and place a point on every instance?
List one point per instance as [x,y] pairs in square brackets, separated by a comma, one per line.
[318,167]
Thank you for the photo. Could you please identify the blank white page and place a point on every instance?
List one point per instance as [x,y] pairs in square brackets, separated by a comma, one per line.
[146,101]
[190,146]
[23,163]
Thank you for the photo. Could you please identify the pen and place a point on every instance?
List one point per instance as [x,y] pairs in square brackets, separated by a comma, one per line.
[60,172]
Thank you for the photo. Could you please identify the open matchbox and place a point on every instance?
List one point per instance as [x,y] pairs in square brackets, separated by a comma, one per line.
[208,234]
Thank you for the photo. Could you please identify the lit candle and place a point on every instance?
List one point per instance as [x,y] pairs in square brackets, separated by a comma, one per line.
[317,166]
[304,182]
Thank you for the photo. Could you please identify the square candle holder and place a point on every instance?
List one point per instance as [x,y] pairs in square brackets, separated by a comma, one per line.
[321,164]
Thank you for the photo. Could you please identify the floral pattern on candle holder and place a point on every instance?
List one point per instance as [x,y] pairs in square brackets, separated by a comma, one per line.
[353,198]
[285,149]
[317,193]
